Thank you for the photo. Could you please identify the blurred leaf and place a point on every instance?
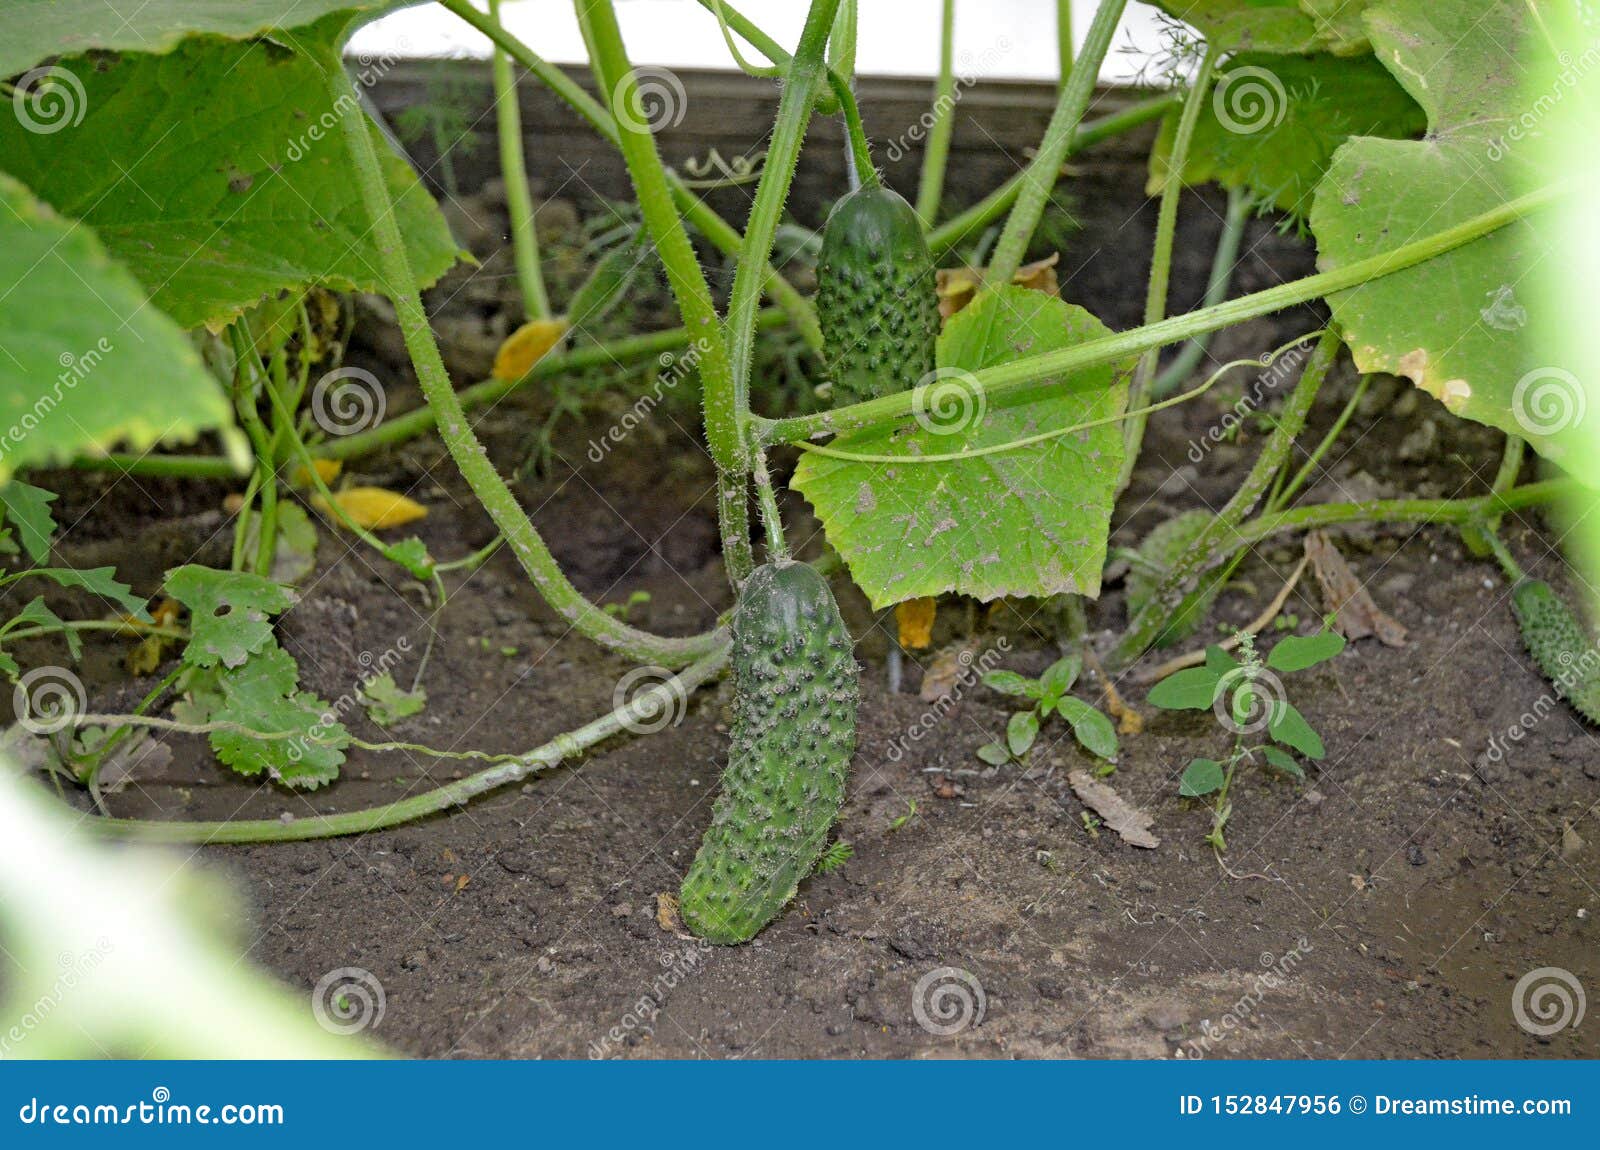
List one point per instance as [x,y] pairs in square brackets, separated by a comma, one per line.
[1192,689]
[1021,730]
[1290,728]
[1201,777]
[1296,653]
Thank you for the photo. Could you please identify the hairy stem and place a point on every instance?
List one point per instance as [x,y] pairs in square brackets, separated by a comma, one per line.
[513,167]
[1040,176]
[1217,286]
[935,155]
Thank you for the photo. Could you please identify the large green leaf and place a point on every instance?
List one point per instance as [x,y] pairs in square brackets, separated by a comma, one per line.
[1031,521]
[1273,123]
[85,362]
[1456,325]
[37,29]
[218,174]
[1339,24]
[1248,25]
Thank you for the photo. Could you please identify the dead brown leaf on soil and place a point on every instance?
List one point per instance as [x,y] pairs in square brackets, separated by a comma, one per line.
[1131,823]
[1355,613]
[945,670]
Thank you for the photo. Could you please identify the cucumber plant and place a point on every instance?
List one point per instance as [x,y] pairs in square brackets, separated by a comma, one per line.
[1050,695]
[984,456]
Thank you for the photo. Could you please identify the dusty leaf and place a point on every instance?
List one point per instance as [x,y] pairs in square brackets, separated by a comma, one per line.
[374,508]
[1131,823]
[913,621]
[527,346]
[1355,614]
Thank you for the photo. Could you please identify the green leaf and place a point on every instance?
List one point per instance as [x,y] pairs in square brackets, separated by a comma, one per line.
[386,703]
[1283,762]
[101,581]
[1059,677]
[82,350]
[1457,325]
[1011,683]
[1339,25]
[1219,662]
[38,29]
[1248,25]
[9,667]
[261,695]
[218,174]
[229,613]
[1296,653]
[1201,777]
[1029,521]
[29,508]
[412,554]
[1272,125]
[1192,689]
[1021,730]
[995,754]
[37,613]
[1290,728]
[1091,728]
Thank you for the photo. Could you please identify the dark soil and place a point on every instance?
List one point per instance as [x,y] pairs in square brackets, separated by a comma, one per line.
[1386,907]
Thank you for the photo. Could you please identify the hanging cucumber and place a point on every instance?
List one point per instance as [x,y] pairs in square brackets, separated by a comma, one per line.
[876,297]
[794,730]
[1560,644]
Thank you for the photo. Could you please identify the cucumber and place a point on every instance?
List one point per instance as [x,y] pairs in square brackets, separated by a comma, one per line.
[1560,644]
[876,297]
[794,730]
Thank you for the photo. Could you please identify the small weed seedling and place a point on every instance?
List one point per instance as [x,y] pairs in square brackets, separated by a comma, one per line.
[1247,697]
[1050,696]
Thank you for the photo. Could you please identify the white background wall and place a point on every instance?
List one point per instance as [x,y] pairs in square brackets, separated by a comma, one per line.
[995,38]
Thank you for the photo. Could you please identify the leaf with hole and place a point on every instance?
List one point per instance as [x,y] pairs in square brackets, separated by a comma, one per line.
[230,612]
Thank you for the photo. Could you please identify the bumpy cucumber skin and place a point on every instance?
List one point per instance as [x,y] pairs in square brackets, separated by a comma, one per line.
[876,297]
[794,731]
[1560,644]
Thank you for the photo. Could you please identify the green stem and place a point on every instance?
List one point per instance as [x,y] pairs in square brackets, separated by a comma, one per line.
[766,45]
[643,707]
[247,377]
[1064,48]
[459,440]
[936,155]
[1202,553]
[1501,552]
[855,132]
[1287,493]
[117,625]
[1155,303]
[1039,178]
[1023,377]
[771,517]
[513,167]
[1222,264]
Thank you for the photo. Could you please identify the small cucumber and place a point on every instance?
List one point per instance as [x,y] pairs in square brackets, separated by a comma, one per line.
[1560,644]
[876,297]
[794,730]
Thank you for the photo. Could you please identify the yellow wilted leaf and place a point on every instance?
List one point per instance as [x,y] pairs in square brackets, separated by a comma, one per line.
[327,470]
[914,619]
[957,286]
[375,507]
[526,346]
